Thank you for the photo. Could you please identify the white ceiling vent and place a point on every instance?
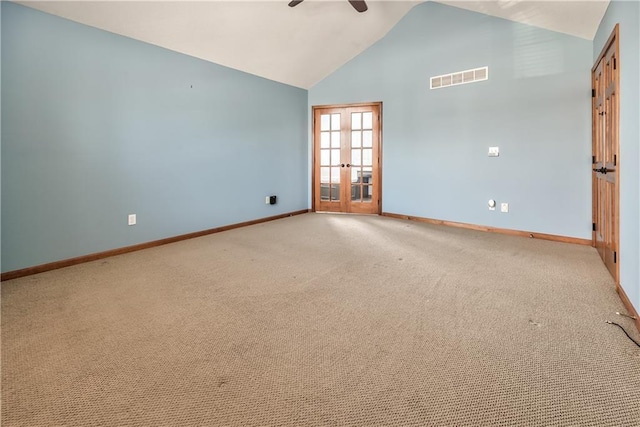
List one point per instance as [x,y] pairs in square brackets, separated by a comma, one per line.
[460,78]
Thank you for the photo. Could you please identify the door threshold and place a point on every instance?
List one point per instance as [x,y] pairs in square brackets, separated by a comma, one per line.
[345,213]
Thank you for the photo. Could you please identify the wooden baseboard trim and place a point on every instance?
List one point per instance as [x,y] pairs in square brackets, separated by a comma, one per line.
[99,255]
[631,311]
[529,234]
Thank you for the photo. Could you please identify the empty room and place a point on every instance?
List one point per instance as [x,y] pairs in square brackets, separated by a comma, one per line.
[320,213]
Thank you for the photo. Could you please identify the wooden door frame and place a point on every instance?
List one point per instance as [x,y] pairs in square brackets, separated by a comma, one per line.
[614,38]
[378,183]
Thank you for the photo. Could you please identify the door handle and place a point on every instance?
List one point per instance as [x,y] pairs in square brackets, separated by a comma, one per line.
[342,165]
[603,170]
[348,165]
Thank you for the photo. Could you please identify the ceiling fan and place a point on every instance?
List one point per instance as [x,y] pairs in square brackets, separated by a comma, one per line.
[359,5]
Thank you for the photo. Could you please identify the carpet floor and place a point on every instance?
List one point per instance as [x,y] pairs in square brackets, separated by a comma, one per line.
[323,320]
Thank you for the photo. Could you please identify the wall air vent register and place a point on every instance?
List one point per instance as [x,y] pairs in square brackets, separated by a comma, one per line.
[460,78]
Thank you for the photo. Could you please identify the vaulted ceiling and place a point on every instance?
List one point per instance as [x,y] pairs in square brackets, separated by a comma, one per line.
[297,46]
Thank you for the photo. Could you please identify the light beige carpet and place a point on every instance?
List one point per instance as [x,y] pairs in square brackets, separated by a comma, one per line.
[323,320]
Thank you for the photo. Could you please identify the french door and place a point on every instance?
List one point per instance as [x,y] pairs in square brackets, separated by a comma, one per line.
[606,159]
[346,169]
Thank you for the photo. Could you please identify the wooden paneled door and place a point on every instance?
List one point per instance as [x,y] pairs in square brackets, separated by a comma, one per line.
[346,160]
[606,158]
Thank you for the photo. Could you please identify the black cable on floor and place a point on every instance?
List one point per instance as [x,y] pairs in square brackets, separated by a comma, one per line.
[625,332]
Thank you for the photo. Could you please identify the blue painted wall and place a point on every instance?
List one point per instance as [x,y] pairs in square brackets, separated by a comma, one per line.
[627,14]
[535,107]
[96,126]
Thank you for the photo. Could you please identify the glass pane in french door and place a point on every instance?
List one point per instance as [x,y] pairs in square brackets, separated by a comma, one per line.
[329,157]
[361,156]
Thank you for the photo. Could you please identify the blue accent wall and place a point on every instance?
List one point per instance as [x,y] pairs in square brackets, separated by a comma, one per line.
[627,14]
[536,106]
[96,126]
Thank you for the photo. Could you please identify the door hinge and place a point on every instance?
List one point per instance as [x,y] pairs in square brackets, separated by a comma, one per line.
[615,160]
[593,226]
[593,160]
[593,93]
[615,257]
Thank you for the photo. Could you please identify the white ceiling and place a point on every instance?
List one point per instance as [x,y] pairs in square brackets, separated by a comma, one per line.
[297,46]
[579,18]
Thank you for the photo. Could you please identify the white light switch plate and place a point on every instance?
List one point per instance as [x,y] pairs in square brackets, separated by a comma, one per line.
[494,151]
[504,207]
[132,219]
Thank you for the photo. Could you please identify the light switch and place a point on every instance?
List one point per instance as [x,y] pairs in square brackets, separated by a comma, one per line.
[494,151]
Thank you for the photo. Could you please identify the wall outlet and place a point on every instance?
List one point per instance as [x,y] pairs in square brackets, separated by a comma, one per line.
[494,151]
[267,200]
[504,207]
[131,219]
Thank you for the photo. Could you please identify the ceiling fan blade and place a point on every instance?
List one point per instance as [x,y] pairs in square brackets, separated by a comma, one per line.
[358,5]
[294,3]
